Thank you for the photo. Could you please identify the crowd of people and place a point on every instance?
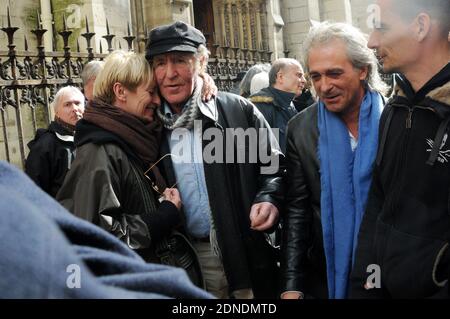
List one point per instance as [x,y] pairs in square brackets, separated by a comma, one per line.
[310,183]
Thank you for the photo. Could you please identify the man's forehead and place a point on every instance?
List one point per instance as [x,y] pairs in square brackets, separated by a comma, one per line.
[294,67]
[173,54]
[71,96]
[387,9]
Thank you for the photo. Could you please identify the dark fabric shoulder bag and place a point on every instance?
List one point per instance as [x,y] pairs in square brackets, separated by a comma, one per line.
[174,249]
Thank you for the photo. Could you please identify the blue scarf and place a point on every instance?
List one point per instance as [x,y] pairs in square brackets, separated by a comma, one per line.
[345,178]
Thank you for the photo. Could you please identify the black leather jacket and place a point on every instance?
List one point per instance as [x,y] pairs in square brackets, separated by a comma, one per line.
[248,260]
[303,265]
[106,186]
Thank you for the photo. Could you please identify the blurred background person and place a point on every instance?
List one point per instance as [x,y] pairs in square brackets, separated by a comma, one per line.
[247,80]
[236,83]
[286,79]
[88,75]
[259,82]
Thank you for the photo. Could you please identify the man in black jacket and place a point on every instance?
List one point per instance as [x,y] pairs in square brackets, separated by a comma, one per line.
[228,195]
[52,149]
[404,236]
[286,80]
[331,148]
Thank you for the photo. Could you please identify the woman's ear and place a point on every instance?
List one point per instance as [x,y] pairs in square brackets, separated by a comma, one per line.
[119,92]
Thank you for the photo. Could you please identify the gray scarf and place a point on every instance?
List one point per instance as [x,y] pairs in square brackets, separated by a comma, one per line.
[190,113]
[186,120]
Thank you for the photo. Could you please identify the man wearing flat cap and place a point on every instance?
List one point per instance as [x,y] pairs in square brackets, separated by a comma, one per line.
[228,203]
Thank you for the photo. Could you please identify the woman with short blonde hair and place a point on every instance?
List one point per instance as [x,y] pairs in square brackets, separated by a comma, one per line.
[128,68]
[114,181]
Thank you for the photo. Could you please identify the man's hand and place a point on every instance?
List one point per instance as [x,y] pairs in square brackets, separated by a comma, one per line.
[263,216]
[292,295]
[209,87]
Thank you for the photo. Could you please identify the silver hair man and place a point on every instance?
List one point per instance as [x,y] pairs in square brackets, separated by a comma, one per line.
[357,51]
[88,76]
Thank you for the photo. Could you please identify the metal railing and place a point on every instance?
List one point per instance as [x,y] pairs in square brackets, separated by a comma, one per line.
[30,79]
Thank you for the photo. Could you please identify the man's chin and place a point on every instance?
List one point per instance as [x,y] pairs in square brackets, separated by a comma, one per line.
[387,68]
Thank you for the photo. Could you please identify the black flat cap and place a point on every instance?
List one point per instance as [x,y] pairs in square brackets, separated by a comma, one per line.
[178,36]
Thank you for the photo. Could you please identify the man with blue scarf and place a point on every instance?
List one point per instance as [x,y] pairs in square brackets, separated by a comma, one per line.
[331,148]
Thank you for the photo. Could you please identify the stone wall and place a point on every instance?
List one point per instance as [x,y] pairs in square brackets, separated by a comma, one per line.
[298,14]
[360,14]
[158,12]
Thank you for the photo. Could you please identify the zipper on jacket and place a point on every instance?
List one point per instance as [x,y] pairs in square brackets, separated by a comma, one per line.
[401,173]
[410,113]
[409,118]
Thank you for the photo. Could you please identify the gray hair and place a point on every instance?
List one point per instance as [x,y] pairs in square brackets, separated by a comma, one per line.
[90,70]
[201,57]
[62,91]
[357,51]
[277,66]
[247,79]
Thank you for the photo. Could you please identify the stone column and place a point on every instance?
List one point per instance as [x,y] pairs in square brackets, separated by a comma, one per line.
[241,25]
[159,12]
[249,25]
[275,27]
[222,12]
[230,22]
[298,15]
[258,26]
[47,20]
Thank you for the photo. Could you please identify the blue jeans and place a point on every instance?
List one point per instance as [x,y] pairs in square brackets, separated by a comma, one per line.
[45,252]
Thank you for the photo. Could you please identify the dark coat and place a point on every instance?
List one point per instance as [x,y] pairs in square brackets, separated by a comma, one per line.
[106,186]
[303,265]
[277,108]
[406,227]
[50,157]
[248,260]
[303,100]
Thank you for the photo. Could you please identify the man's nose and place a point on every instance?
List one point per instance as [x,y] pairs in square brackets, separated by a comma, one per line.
[303,80]
[325,84]
[78,109]
[171,70]
[373,42]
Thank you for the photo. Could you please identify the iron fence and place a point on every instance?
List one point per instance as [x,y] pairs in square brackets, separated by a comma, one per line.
[29,79]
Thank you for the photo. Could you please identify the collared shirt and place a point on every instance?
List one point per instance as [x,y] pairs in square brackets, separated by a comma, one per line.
[190,176]
[353,141]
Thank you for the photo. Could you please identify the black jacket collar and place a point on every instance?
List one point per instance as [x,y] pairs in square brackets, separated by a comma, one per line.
[436,81]
[87,132]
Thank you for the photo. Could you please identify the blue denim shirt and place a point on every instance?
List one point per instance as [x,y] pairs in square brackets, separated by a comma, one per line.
[190,176]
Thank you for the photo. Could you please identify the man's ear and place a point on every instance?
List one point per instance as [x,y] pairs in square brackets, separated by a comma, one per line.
[280,77]
[119,92]
[423,25]
[363,73]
